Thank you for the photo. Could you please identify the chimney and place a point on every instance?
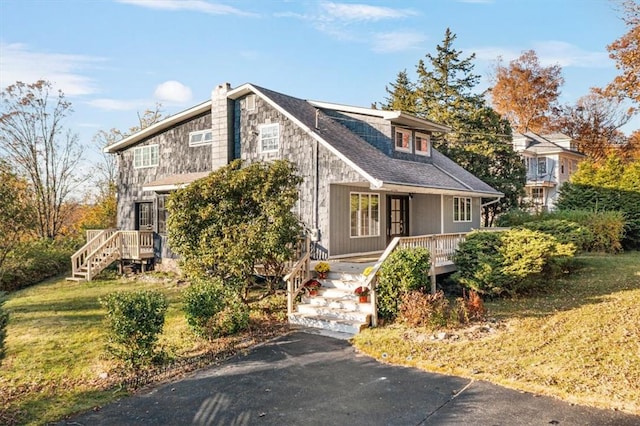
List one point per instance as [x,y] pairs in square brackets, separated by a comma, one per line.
[221,127]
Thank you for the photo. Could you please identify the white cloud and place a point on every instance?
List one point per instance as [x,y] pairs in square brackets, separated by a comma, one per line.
[397,41]
[550,52]
[173,92]
[189,5]
[363,12]
[109,104]
[20,63]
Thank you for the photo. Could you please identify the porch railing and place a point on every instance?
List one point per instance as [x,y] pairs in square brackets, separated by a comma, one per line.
[299,273]
[442,247]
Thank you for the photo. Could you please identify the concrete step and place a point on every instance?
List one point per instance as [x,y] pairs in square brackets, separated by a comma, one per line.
[350,303]
[326,311]
[76,279]
[344,284]
[327,323]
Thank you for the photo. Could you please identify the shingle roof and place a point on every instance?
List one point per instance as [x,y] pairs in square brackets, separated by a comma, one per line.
[441,173]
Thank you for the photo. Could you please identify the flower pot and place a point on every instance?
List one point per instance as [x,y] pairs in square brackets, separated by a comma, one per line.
[322,275]
[363,299]
[313,292]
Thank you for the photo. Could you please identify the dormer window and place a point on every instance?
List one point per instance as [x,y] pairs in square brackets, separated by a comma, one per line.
[423,144]
[203,137]
[403,140]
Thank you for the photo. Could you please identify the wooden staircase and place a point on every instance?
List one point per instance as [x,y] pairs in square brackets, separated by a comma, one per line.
[104,247]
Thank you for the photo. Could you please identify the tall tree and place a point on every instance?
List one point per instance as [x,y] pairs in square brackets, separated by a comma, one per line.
[402,95]
[35,141]
[626,52]
[525,92]
[446,84]
[480,140]
[594,122]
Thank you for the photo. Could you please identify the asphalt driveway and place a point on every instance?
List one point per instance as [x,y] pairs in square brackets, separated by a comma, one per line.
[308,379]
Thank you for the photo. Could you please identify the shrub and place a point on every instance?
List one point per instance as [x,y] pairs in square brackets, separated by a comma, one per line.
[213,309]
[34,261]
[514,217]
[418,309]
[4,320]
[564,231]
[405,270]
[511,262]
[135,320]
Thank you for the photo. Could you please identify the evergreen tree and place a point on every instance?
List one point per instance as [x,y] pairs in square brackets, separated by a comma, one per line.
[480,138]
[402,95]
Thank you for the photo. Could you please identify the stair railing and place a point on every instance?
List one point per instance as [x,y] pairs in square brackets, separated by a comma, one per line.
[299,274]
[103,255]
[95,238]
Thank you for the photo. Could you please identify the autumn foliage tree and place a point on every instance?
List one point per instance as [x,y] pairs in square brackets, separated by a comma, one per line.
[626,52]
[34,140]
[525,92]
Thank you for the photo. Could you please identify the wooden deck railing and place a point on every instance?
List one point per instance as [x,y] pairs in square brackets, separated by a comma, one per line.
[299,272]
[105,246]
[442,247]
[95,239]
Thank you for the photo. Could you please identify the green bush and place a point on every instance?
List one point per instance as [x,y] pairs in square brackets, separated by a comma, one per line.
[514,217]
[135,321]
[34,261]
[564,231]
[405,270]
[510,262]
[4,320]
[213,309]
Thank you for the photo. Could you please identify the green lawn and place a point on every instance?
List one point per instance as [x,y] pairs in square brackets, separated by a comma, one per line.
[580,342]
[56,363]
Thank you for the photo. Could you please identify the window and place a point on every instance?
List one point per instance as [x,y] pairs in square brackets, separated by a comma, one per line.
[562,166]
[537,196]
[251,102]
[422,144]
[162,214]
[542,166]
[269,137]
[203,137]
[365,215]
[462,209]
[145,156]
[403,140]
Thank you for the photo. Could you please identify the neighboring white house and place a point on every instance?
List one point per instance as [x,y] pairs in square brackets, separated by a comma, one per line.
[550,160]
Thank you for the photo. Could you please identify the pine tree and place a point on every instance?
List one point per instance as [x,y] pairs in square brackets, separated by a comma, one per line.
[402,95]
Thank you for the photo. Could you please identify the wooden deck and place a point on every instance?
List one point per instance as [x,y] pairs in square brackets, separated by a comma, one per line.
[105,246]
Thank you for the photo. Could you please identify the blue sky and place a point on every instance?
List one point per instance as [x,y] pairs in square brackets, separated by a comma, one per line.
[116,57]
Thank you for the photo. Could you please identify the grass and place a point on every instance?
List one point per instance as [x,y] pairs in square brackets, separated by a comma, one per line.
[56,362]
[580,342]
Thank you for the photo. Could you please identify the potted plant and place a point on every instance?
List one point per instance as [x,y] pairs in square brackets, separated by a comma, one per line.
[312,286]
[363,294]
[322,269]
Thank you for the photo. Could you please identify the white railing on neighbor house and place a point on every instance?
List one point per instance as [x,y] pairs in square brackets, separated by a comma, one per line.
[442,247]
[300,272]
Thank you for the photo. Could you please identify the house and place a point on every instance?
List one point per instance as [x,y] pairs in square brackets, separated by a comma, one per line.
[369,175]
[550,160]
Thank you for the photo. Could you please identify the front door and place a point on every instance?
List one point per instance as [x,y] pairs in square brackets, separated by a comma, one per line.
[397,216]
[144,216]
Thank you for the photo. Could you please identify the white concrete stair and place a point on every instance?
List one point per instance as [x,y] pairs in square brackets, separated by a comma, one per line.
[336,307]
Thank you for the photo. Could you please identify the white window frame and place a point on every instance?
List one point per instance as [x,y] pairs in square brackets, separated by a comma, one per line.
[562,166]
[143,156]
[204,140]
[264,136]
[426,137]
[372,228]
[251,103]
[462,209]
[538,201]
[404,133]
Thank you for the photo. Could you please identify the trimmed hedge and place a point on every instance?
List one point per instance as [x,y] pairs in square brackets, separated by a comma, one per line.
[601,231]
[405,270]
[510,263]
